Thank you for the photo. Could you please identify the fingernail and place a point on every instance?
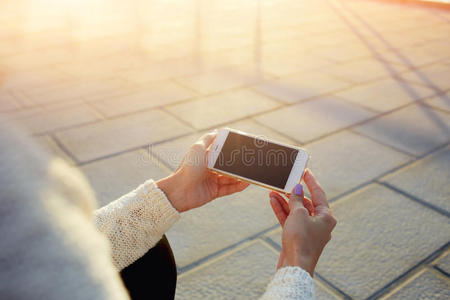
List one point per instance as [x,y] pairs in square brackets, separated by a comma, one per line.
[215,130]
[298,190]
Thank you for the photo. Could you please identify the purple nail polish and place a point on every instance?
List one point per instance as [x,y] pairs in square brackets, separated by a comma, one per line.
[298,190]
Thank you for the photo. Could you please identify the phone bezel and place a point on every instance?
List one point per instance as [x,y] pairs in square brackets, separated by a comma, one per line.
[295,174]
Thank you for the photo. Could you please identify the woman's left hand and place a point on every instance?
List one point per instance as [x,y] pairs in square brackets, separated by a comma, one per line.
[193,184]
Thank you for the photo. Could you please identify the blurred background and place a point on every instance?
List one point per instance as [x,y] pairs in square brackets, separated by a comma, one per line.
[121,89]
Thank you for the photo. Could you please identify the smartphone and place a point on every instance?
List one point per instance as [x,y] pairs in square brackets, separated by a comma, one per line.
[255,159]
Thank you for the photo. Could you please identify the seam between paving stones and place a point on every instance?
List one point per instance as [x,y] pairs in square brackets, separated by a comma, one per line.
[405,282]
[437,268]
[64,149]
[405,276]
[379,115]
[352,130]
[388,172]
[223,250]
[335,290]
[438,272]
[85,162]
[351,26]
[214,259]
[415,199]
[404,59]
[333,287]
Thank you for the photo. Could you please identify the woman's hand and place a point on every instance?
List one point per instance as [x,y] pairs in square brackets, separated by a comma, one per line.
[193,184]
[307,224]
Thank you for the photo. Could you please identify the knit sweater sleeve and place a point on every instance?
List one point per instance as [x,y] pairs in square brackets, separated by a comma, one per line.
[135,222]
[290,283]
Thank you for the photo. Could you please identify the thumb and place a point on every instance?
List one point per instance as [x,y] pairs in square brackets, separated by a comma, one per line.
[207,138]
[296,198]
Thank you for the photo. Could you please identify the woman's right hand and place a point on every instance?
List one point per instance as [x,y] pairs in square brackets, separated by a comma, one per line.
[307,224]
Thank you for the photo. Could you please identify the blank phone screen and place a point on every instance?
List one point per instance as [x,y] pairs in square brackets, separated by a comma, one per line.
[256,159]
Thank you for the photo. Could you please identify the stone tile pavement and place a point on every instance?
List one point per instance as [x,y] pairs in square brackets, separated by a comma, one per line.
[123,91]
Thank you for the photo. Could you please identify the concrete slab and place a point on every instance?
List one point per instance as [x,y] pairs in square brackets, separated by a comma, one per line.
[426,179]
[386,94]
[221,79]
[78,91]
[49,145]
[343,161]
[373,244]
[222,108]
[444,263]
[153,95]
[300,87]
[115,176]
[313,119]
[53,120]
[113,136]
[242,274]
[434,76]
[427,129]
[441,101]
[364,70]
[426,285]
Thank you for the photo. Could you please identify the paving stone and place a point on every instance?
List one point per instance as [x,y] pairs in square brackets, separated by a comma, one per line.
[8,102]
[222,108]
[313,119]
[115,176]
[427,179]
[283,64]
[373,244]
[22,113]
[345,53]
[49,145]
[162,70]
[346,160]
[296,88]
[413,57]
[220,224]
[112,136]
[80,91]
[243,274]
[221,80]
[434,76]
[441,101]
[444,263]
[322,292]
[364,70]
[426,129]
[172,152]
[58,119]
[154,95]
[428,285]
[36,80]
[386,94]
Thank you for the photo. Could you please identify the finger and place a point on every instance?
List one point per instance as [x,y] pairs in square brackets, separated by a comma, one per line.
[207,139]
[318,196]
[280,260]
[229,189]
[296,198]
[281,200]
[278,210]
[223,179]
[307,203]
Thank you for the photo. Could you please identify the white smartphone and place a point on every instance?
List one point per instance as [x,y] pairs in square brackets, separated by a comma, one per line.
[255,159]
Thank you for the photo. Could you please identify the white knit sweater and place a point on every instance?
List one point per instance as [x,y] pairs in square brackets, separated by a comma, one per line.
[55,245]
